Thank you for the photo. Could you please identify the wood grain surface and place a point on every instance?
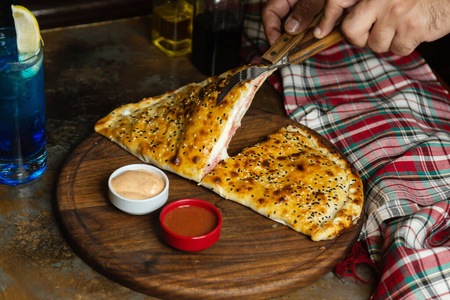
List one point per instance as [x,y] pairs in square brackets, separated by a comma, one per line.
[254,257]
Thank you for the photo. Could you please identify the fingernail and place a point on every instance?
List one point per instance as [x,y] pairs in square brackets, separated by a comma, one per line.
[317,32]
[292,25]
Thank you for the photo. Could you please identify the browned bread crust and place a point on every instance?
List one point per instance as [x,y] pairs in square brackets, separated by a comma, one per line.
[182,131]
[295,177]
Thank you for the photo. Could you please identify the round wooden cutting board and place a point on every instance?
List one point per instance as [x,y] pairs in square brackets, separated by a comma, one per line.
[254,257]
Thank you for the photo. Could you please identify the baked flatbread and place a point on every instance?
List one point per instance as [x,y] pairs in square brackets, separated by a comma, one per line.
[294,178]
[182,131]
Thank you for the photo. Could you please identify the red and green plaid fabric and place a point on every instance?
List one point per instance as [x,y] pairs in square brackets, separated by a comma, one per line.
[391,118]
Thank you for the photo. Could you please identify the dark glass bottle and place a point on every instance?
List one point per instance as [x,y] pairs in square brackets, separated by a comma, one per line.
[216,36]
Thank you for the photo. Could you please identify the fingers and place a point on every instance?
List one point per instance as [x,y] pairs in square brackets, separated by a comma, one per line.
[302,15]
[384,26]
[272,27]
[332,12]
[380,38]
[358,22]
[400,47]
[272,15]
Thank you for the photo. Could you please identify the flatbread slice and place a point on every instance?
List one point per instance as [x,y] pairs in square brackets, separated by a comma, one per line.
[182,131]
[295,177]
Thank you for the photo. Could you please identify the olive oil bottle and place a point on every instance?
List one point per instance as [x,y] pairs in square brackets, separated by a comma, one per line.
[172,26]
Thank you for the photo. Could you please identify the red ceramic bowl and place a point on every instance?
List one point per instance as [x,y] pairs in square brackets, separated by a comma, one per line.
[185,212]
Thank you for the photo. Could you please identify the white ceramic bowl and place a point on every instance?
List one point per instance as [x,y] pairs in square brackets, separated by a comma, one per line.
[141,206]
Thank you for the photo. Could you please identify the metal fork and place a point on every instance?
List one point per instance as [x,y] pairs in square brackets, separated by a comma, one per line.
[307,48]
[276,56]
[241,76]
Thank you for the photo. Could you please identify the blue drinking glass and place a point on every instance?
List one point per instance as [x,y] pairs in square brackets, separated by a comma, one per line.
[23,152]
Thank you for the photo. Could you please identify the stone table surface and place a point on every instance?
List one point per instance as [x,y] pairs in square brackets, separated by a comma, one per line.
[89,71]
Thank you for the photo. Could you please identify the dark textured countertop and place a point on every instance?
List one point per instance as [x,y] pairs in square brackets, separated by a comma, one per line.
[90,70]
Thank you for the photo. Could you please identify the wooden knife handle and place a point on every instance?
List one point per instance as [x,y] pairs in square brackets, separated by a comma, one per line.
[281,48]
[311,46]
[285,43]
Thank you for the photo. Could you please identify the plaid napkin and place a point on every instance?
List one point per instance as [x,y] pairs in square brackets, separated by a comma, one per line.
[391,119]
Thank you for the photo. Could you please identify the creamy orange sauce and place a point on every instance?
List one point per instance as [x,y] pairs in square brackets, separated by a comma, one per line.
[138,185]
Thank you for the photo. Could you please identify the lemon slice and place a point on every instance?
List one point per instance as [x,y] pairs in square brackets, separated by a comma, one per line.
[27,30]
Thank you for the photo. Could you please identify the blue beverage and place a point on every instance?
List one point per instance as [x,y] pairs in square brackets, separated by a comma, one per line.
[22,113]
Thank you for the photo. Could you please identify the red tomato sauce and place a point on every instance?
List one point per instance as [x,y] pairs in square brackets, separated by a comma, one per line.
[190,221]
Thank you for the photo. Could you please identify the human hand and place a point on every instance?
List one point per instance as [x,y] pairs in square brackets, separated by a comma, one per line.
[300,13]
[382,25]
